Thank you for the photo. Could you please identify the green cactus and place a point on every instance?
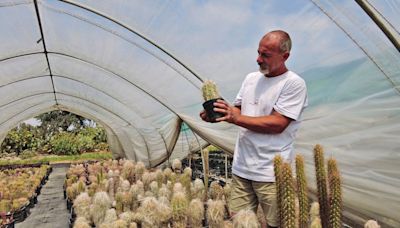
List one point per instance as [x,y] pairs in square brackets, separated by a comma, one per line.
[288,194]
[321,184]
[278,182]
[209,90]
[335,198]
[302,192]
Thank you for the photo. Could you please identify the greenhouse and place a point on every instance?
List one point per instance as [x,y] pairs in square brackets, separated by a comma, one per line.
[137,68]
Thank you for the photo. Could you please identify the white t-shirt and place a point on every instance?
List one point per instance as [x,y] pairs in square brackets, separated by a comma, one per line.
[259,96]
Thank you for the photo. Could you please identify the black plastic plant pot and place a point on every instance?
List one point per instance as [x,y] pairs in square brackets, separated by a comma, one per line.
[209,107]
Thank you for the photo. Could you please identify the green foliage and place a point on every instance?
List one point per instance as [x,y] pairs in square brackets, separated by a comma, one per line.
[64,143]
[60,132]
[21,138]
[57,121]
[27,154]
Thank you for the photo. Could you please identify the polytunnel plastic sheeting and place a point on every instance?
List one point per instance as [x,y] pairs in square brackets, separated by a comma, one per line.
[136,67]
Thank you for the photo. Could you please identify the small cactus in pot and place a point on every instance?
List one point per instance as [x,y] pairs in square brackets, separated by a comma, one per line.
[210,95]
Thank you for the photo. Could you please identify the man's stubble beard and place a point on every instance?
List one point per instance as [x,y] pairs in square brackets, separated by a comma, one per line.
[264,71]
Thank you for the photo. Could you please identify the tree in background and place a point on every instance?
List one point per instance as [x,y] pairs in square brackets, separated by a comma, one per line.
[58,121]
[60,132]
[23,137]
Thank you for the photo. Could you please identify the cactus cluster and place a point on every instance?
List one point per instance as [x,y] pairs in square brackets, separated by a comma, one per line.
[130,195]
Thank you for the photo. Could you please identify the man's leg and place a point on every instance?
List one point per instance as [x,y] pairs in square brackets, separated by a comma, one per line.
[266,194]
[242,195]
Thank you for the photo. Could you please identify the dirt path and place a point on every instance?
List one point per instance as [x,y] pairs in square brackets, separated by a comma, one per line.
[51,210]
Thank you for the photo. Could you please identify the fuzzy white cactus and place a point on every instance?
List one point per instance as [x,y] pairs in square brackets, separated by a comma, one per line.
[216,191]
[209,90]
[246,219]
[198,189]
[128,171]
[139,170]
[81,222]
[101,203]
[196,213]
[177,166]
[127,216]
[82,206]
[149,208]
[178,187]
[179,204]
[111,216]
[154,188]
[371,224]
[164,192]
[215,213]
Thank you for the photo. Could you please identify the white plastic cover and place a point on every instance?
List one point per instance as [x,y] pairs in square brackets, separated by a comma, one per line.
[136,67]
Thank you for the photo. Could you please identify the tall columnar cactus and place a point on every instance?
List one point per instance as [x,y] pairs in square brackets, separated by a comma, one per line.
[278,181]
[288,197]
[321,184]
[209,90]
[302,192]
[335,197]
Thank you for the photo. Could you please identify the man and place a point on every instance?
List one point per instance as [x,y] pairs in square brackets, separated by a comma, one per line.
[268,111]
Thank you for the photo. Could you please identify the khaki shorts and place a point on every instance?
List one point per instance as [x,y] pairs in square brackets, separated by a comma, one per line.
[247,194]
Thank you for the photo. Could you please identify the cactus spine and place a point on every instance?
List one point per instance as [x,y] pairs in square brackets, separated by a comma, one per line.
[302,192]
[335,198]
[321,184]
[209,90]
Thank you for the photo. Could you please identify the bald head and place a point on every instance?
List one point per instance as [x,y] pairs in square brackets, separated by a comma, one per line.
[282,38]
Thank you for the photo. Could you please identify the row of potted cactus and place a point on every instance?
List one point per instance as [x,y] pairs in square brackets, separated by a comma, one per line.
[19,188]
